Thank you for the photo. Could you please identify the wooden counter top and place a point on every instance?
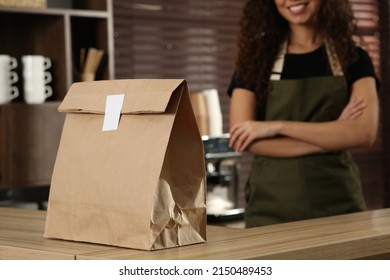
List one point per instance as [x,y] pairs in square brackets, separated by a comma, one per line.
[363,235]
[21,237]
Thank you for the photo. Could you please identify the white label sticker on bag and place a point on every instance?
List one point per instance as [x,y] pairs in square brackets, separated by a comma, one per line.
[113,110]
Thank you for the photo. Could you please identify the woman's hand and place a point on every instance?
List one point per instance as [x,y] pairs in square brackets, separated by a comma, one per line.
[244,133]
[354,109]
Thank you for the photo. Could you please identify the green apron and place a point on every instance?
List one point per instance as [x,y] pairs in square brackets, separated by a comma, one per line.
[289,189]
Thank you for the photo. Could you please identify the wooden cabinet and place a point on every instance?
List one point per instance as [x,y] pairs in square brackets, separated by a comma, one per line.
[29,134]
[29,140]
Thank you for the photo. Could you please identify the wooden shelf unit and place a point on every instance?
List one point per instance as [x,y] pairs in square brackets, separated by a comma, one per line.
[29,134]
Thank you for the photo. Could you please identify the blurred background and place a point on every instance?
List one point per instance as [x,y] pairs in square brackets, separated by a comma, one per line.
[188,39]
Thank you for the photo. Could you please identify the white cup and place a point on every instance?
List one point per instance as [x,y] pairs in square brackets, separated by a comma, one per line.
[36,78]
[7,78]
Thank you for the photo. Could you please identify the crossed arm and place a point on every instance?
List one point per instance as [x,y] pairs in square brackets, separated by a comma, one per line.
[356,127]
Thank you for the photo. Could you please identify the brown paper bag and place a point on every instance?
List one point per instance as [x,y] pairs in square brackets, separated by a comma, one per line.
[140,186]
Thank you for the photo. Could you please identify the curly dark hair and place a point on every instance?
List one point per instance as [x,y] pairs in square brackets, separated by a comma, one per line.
[263,31]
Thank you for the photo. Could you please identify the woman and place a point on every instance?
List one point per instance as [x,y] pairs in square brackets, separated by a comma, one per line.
[302,95]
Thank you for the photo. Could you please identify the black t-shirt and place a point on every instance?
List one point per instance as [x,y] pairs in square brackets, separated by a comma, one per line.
[316,64]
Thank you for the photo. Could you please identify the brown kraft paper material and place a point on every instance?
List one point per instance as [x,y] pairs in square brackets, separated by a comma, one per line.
[140,186]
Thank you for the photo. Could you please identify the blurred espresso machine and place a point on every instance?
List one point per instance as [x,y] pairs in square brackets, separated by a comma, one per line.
[222,162]
[222,170]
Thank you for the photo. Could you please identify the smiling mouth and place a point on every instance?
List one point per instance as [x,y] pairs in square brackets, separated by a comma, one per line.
[297,9]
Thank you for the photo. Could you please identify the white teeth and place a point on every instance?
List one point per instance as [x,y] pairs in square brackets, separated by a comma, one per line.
[297,8]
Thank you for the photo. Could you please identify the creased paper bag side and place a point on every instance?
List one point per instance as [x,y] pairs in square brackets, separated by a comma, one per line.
[179,211]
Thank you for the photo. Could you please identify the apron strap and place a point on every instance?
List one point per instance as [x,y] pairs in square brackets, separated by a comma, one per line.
[333,59]
[332,56]
[278,64]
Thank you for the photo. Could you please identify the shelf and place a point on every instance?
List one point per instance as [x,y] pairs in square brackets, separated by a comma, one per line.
[59,34]
[30,134]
